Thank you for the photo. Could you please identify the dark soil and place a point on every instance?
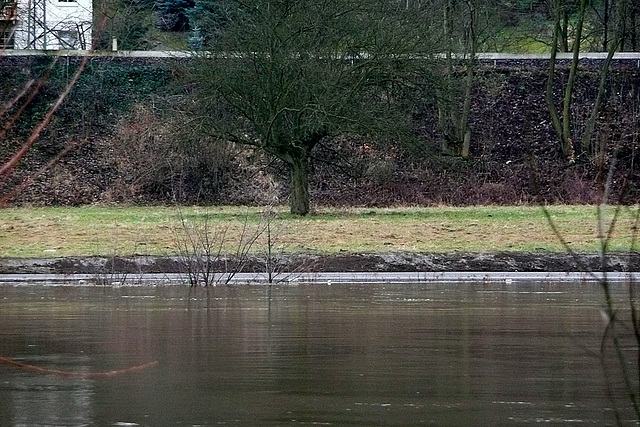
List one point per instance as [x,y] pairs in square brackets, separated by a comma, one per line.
[389,262]
[131,155]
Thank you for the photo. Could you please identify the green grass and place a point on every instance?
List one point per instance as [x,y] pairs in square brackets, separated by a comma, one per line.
[106,230]
[518,40]
[167,40]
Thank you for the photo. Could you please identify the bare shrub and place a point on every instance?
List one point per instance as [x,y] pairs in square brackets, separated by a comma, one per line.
[276,265]
[115,271]
[204,249]
[381,170]
[578,187]
[495,193]
[156,158]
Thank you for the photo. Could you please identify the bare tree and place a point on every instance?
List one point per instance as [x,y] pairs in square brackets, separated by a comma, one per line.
[288,75]
[562,124]
[572,144]
[467,25]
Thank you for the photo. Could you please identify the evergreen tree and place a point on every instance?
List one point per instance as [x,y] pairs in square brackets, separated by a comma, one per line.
[209,18]
[172,15]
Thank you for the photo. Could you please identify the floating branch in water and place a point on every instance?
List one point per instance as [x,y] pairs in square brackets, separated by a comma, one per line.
[74,374]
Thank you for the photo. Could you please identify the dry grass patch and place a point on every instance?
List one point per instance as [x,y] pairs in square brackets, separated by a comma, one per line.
[444,229]
[103,230]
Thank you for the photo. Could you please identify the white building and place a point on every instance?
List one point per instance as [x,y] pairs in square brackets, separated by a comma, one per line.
[46,24]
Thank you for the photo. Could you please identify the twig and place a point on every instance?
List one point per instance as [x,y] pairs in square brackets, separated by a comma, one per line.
[75,374]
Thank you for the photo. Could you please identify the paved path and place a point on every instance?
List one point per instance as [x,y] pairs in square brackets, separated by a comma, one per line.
[320,278]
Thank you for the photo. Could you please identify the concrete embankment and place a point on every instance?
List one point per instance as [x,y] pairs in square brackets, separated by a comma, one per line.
[342,268]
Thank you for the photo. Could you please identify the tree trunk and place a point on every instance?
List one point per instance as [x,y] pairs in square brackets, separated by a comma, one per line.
[553,111]
[299,194]
[447,112]
[602,87]
[605,26]
[633,18]
[563,125]
[564,31]
[471,46]
[568,92]
[453,120]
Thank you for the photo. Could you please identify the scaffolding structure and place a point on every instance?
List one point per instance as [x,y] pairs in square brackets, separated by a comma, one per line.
[36,25]
[46,24]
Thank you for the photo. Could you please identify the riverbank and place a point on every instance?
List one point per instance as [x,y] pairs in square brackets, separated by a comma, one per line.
[380,262]
[106,240]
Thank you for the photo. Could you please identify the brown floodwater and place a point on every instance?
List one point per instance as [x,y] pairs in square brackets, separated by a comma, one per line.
[367,355]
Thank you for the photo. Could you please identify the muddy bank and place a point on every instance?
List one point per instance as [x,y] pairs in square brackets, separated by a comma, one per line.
[387,262]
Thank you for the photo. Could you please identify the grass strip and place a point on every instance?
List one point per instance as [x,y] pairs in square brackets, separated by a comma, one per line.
[134,230]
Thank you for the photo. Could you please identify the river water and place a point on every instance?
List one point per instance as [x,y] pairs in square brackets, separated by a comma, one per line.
[409,354]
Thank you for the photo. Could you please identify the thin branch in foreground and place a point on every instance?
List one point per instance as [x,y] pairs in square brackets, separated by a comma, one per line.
[38,130]
[11,163]
[565,244]
[30,95]
[75,374]
[17,190]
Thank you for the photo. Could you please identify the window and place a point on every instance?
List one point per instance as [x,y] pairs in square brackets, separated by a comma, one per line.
[68,39]
[6,39]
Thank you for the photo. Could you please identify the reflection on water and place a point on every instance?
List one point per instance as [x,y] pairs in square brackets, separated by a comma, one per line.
[468,354]
[38,400]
